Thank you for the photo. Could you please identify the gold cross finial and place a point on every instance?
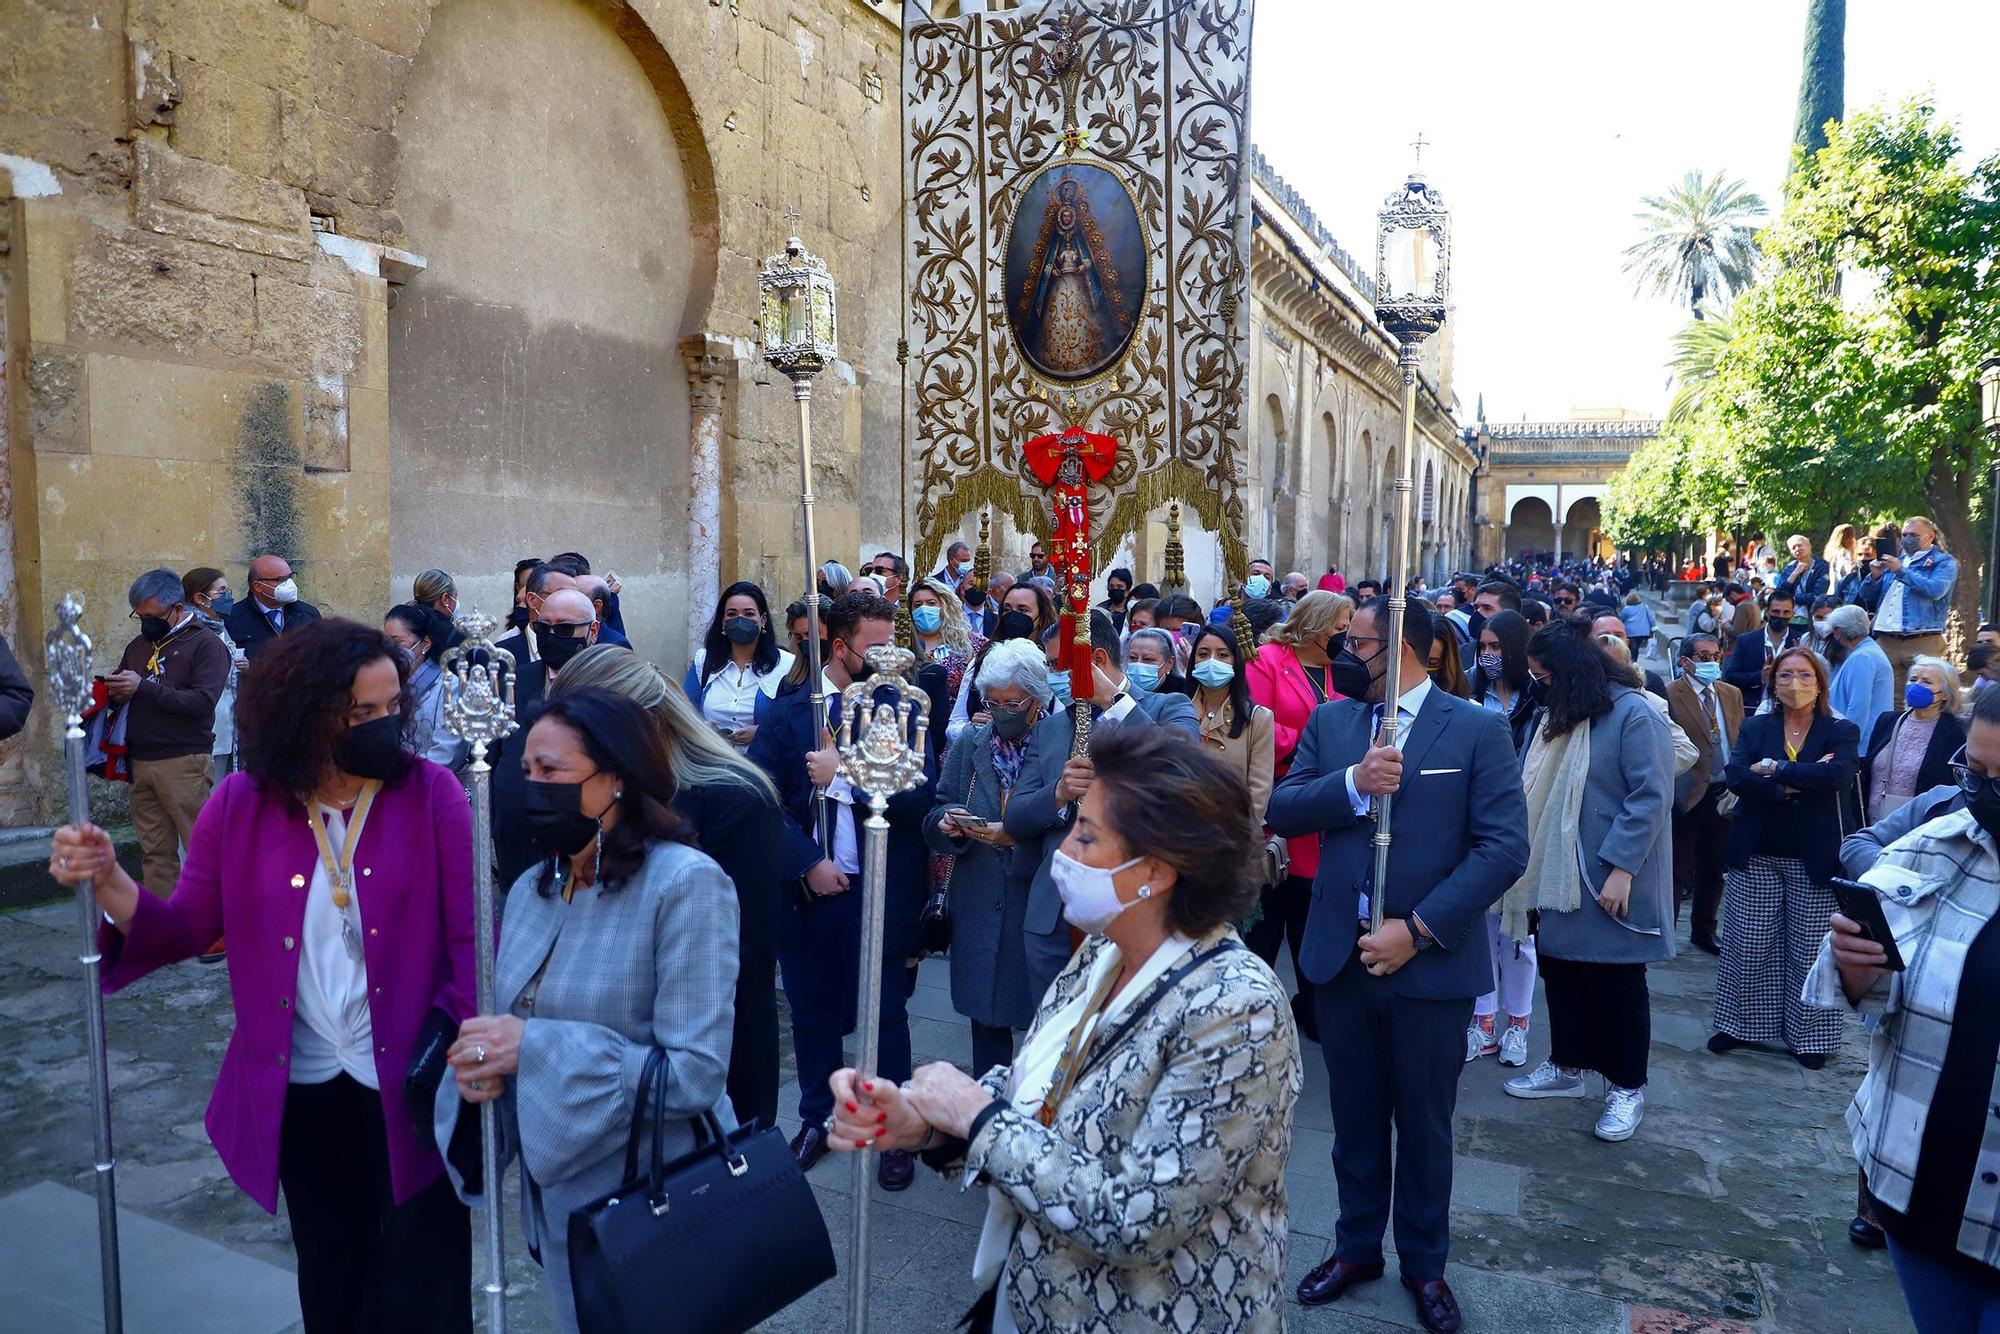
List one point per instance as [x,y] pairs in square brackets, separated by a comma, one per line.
[1419,145]
[792,221]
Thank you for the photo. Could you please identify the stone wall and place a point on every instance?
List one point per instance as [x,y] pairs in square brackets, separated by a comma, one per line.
[210,209]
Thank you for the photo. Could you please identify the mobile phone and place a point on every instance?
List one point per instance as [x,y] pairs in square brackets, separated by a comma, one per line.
[724,729]
[1861,904]
[965,819]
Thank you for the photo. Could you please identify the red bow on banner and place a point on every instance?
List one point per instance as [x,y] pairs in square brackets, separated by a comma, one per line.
[1067,463]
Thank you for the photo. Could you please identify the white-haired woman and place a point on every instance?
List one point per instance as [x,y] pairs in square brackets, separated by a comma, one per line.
[1910,750]
[1804,575]
[1152,661]
[736,815]
[989,879]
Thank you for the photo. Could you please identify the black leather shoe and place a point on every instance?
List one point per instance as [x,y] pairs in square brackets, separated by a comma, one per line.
[809,1146]
[1331,1280]
[896,1170]
[1865,1234]
[1437,1309]
[1722,1044]
[1708,945]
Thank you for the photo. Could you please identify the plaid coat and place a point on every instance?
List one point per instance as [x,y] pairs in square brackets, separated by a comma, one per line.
[652,964]
[1940,884]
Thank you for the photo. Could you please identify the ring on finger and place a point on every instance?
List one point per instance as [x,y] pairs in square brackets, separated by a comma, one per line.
[479,1055]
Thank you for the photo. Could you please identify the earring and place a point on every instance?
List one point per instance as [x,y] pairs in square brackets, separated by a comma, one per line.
[618,794]
[597,854]
[1145,891]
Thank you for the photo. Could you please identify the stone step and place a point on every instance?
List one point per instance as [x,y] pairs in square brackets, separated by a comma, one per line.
[24,865]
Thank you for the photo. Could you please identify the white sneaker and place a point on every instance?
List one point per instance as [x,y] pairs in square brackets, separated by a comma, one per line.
[1514,1044]
[1478,1042]
[1547,1080]
[1623,1110]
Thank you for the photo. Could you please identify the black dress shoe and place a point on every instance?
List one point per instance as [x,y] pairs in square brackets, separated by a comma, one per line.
[1865,1234]
[1722,1044]
[1330,1280]
[896,1170]
[1437,1309]
[1708,945]
[809,1146]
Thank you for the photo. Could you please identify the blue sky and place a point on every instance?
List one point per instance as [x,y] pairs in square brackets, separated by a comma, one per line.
[1546,121]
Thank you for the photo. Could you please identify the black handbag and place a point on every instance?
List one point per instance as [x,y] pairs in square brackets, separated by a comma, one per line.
[715,1242]
[428,1069]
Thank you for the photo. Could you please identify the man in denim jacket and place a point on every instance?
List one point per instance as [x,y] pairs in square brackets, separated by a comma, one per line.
[1916,597]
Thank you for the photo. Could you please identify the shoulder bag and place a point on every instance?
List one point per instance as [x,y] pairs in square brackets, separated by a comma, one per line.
[715,1242]
[934,923]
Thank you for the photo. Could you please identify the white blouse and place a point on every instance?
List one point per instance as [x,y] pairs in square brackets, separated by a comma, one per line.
[332,1032]
[730,697]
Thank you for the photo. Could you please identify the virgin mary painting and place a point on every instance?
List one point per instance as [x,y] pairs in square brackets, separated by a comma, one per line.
[1075,272]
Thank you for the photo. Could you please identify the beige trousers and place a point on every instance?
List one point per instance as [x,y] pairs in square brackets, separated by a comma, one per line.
[1901,652]
[166,797]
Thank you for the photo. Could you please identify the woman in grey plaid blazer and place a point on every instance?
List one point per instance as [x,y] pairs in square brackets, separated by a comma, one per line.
[621,940]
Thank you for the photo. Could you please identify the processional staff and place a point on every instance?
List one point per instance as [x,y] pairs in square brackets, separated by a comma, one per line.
[876,758]
[68,663]
[479,710]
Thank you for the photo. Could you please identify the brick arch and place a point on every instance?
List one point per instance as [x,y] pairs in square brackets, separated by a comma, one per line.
[677,106]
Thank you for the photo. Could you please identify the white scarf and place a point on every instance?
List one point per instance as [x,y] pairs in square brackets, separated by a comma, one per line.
[1028,1084]
[1556,774]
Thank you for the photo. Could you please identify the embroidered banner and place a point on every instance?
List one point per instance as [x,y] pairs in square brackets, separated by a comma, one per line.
[1077,256]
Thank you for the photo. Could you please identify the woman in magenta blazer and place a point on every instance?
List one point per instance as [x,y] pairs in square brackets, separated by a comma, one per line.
[341,869]
[1291,676]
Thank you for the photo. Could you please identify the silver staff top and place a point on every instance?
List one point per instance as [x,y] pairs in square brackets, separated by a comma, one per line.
[875,755]
[69,661]
[479,685]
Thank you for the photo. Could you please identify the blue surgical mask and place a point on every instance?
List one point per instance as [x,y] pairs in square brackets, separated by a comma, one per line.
[1214,673]
[1059,687]
[1708,673]
[1143,675]
[963,568]
[927,618]
[221,604]
[1918,695]
[1257,586]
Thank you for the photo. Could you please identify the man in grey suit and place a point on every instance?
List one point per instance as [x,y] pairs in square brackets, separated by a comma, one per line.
[1394,1005]
[1039,814]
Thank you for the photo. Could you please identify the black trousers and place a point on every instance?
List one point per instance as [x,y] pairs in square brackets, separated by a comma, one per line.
[991,1046]
[753,1053]
[1395,1067]
[367,1265]
[1600,1018]
[1285,907]
[1700,835]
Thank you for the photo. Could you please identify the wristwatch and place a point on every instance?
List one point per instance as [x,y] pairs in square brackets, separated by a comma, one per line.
[1423,941]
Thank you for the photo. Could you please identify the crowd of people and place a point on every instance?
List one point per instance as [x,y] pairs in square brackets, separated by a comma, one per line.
[1565,780]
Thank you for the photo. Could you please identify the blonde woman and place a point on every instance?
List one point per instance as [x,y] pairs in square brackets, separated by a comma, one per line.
[736,816]
[436,591]
[1842,554]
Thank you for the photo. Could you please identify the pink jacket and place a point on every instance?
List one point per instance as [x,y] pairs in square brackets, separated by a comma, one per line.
[1333,582]
[1278,683]
[249,862]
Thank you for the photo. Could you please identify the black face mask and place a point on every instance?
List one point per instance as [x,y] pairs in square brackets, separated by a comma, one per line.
[517,619]
[554,815]
[1116,596]
[1334,645]
[1475,621]
[373,749]
[1014,625]
[861,673]
[1009,726]
[557,649]
[1537,691]
[1985,807]
[1351,676]
[742,629]
[155,628]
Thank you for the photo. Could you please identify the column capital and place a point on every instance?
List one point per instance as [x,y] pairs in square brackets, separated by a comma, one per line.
[712,361]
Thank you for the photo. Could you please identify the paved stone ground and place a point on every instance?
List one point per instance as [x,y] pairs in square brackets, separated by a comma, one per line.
[1726,1211]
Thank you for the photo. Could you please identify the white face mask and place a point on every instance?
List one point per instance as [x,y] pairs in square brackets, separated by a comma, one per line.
[286,593]
[1090,900]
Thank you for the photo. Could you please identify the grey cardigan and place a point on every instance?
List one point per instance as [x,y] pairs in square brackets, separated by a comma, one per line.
[652,964]
[1626,822]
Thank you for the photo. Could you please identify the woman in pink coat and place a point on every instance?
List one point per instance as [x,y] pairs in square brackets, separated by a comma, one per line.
[1291,676]
[341,869]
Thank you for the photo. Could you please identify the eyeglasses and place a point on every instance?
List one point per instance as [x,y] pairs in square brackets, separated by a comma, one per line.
[1796,679]
[1022,707]
[1565,602]
[1969,779]
[1539,678]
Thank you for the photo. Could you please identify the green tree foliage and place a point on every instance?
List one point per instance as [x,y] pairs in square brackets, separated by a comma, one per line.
[1845,400]
[1699,241]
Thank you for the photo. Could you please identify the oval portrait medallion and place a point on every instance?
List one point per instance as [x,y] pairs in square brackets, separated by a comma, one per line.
[1075,271]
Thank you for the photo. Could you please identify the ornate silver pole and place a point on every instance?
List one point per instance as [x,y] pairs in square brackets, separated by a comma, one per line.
[802,392]
[68,664]
[479,710]
[876,757]
[1412,299]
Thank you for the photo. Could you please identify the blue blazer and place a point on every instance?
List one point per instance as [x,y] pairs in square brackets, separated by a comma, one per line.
[1458,841]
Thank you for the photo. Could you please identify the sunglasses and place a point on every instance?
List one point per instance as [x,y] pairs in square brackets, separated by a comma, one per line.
[1970,780]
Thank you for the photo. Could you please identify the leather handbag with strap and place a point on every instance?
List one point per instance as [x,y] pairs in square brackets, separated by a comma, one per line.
[714,1242]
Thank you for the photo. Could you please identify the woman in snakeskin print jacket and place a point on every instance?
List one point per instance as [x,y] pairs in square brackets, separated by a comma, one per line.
[1134,1153]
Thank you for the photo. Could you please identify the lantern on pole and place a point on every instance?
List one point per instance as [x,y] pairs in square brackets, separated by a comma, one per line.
[1412,298]
[797,329]
[1989,417]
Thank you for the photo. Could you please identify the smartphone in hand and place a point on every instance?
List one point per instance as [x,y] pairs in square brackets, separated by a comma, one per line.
[1859,903]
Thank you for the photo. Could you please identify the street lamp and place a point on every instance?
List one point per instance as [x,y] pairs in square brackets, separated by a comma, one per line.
[1412,298]
[1989,417]
[796,319]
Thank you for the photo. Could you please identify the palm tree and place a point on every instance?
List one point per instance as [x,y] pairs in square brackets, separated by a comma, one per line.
[1700,240]
[1697,348]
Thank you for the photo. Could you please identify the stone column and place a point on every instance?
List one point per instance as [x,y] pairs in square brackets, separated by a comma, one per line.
[711,362]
